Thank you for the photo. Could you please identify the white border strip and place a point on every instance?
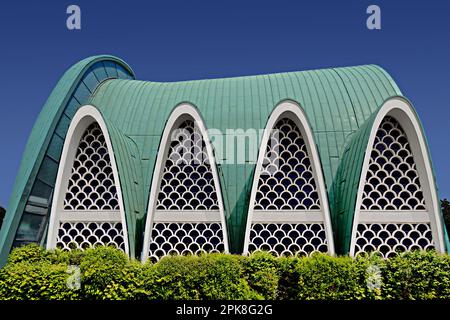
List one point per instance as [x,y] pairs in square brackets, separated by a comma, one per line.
[84,117]
[394,217]
[403,112]
[181,113]
[90,215]
[293,111]
[287,216]
[187,216]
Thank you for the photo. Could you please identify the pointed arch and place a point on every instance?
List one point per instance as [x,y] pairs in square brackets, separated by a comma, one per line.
[288,210]
[397,206]
[185,211]
[87,207]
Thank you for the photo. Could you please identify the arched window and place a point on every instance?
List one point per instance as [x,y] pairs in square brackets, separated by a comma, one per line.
[392,181]
[396,211]
[185,208]
[187,182]
[86,208]
[288,213]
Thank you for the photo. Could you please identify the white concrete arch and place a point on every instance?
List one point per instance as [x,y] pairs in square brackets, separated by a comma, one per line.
[103,220]
[422,219]
[180,218]
[294,218]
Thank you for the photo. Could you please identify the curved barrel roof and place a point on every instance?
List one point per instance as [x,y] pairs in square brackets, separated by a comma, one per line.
[338,102]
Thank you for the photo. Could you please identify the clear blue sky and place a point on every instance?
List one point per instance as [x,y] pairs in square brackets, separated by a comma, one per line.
[193,39]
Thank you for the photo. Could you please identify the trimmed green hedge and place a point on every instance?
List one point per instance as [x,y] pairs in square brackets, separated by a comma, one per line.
[107,273]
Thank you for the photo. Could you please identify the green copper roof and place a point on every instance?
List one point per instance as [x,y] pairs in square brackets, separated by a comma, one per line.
[340,104]
[337,103]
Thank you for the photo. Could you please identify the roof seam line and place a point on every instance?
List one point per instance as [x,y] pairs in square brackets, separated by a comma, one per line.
[348,94]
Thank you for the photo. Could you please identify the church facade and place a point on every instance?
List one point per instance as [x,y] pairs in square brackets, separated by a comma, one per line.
[331,160]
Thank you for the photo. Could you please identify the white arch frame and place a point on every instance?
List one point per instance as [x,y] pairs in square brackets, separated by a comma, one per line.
[181,113]
[403,112]
[83,118]
[292,111]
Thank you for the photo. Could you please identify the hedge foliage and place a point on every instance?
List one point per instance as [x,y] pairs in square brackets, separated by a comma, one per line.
[107,273]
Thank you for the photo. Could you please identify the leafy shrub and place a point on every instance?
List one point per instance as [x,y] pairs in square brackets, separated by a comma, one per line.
[35,281]
[325,277]
[107,273]
[31,253]
[103,272]
[417,275]
[177,278]
[262,273]
[222,277]
[289,278]
[212,276]
[322,277]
